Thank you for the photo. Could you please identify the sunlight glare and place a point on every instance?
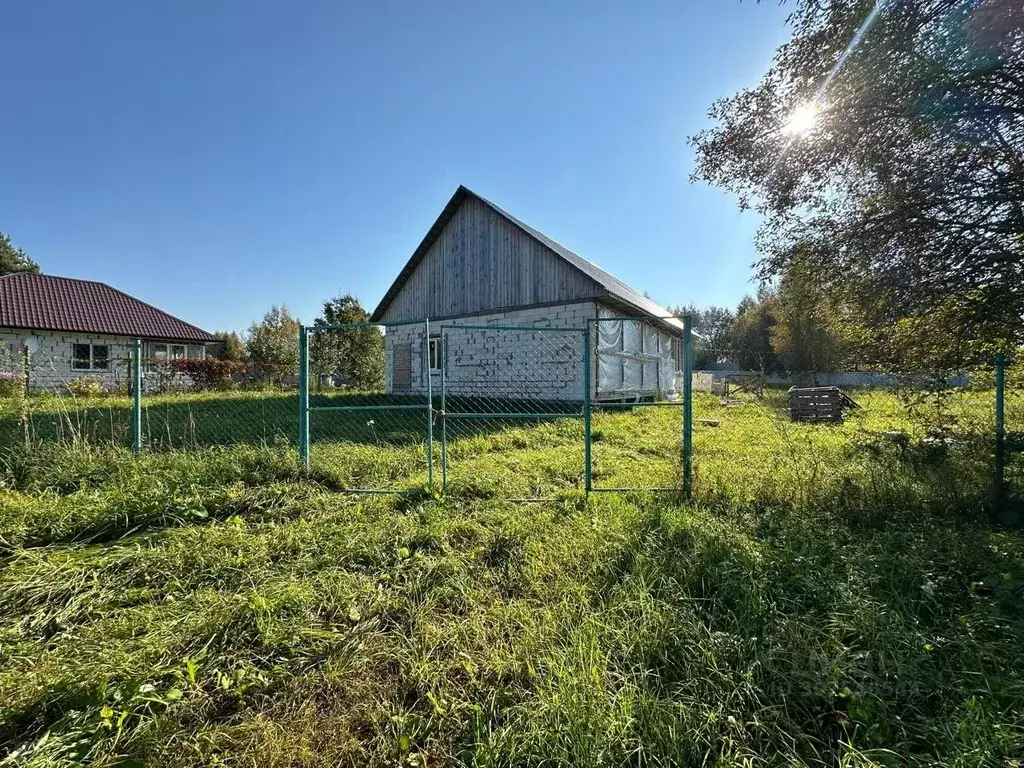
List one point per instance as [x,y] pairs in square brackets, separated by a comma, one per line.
[803,119]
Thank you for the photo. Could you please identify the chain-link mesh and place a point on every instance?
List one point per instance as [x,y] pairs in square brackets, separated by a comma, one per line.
[1014,433]
[478,409]
[369,412]
[81,391]
[638,427]
[513,391]
[57,391]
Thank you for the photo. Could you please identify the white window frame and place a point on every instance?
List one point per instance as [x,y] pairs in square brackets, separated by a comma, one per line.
[92,356]
[435,354]
[169,352]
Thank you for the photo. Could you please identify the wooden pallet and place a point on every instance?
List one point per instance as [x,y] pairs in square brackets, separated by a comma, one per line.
[819,404]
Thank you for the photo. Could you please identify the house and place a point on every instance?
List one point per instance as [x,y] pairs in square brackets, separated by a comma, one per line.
[55,329]
[480,266]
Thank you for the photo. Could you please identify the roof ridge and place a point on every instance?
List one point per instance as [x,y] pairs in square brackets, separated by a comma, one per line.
[57,277]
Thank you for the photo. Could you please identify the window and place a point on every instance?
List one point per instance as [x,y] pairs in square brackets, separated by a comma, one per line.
[90,357]
[158,354]
[436,354]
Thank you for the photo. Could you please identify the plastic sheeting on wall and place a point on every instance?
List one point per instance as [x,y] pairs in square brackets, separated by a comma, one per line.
[635,359]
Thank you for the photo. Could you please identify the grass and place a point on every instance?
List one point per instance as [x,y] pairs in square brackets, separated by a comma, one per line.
[830,597]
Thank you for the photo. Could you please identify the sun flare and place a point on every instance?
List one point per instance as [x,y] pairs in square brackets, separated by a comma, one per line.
[803,119]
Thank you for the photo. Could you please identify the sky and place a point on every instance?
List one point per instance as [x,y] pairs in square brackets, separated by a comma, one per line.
[215,158]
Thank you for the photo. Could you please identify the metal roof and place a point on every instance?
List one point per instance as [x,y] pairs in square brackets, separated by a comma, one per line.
[70,305]
[617,290]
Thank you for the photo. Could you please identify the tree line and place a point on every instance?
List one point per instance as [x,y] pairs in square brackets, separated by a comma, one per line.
[789,325]
[353,357]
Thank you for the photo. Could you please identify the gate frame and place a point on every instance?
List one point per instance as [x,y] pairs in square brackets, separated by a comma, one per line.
[513,416]
[305,409]
[686,405]
[589,358]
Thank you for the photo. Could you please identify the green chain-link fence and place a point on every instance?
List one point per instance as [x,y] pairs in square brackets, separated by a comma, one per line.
[1009,432]
[396,408]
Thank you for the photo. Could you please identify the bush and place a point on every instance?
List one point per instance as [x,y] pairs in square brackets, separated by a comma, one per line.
[87,386]
[10,384]
[210,373]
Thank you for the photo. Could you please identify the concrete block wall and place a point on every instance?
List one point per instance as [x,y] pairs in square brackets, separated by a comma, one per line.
[499,364]
[49,366]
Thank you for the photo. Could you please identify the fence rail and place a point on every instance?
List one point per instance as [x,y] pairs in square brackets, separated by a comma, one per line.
[430,404]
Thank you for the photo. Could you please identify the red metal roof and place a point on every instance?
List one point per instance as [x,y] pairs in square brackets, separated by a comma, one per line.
[51,303]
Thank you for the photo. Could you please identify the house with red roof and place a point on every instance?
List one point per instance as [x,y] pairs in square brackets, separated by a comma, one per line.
[55,329]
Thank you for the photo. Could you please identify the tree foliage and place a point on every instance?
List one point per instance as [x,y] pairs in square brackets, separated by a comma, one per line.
[13,259]
[907,190]
[750,334]
[810,329]
[354,356]
[231,346]
[274,341]
[711,324]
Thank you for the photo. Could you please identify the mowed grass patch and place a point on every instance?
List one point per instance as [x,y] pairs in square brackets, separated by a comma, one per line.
[829,598]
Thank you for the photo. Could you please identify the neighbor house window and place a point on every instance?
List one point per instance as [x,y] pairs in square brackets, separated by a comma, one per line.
[436,354]
[90,357]
[157,354]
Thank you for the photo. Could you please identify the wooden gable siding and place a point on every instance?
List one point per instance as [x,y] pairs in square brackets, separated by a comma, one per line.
[482,262]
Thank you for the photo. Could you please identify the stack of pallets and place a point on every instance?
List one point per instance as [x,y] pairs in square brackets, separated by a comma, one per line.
[819,404]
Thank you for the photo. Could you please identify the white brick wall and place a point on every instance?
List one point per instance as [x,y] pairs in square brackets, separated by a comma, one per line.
[50,365]
[504,364]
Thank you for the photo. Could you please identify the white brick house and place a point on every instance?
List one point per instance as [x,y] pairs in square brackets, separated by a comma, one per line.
[56,329]
[480,267]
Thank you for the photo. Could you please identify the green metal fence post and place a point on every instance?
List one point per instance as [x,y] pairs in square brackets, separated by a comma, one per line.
[1000,480]
[304,396]
[587,475]
[444,415]
[430,405]
[687,406]
[137,396]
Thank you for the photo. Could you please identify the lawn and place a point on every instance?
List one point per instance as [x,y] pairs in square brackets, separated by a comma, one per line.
[830,596]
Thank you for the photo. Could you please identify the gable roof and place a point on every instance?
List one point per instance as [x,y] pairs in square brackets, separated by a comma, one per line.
[619,293]
[51,303]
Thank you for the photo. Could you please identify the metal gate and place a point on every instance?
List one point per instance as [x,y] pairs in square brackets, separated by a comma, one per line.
[609,405]
[642,408]
[514,386]
[365,406]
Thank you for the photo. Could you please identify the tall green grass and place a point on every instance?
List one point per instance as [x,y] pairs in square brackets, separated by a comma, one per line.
[830,597]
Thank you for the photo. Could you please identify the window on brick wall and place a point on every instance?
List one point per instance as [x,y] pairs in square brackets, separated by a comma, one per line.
[90,357]
[436,357]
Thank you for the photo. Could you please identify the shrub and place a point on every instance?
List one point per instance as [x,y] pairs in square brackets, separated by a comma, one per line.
[86,386]
[209,373]
[10,384]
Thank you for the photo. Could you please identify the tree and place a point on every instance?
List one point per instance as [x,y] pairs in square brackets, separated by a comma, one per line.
[14,259]
[231,347]
[888,138]
[274,341]
[354,355]
[808,331]
[749,336]
[712,326]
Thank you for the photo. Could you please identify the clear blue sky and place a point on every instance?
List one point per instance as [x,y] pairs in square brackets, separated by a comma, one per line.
[215,158]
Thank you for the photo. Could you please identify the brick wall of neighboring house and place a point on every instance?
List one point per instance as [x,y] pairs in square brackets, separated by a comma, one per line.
[50,365]
[497,364]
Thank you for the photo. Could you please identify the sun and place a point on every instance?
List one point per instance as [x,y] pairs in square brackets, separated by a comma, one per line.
[803,119]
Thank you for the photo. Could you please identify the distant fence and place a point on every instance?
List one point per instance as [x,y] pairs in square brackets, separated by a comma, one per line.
[703,381]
